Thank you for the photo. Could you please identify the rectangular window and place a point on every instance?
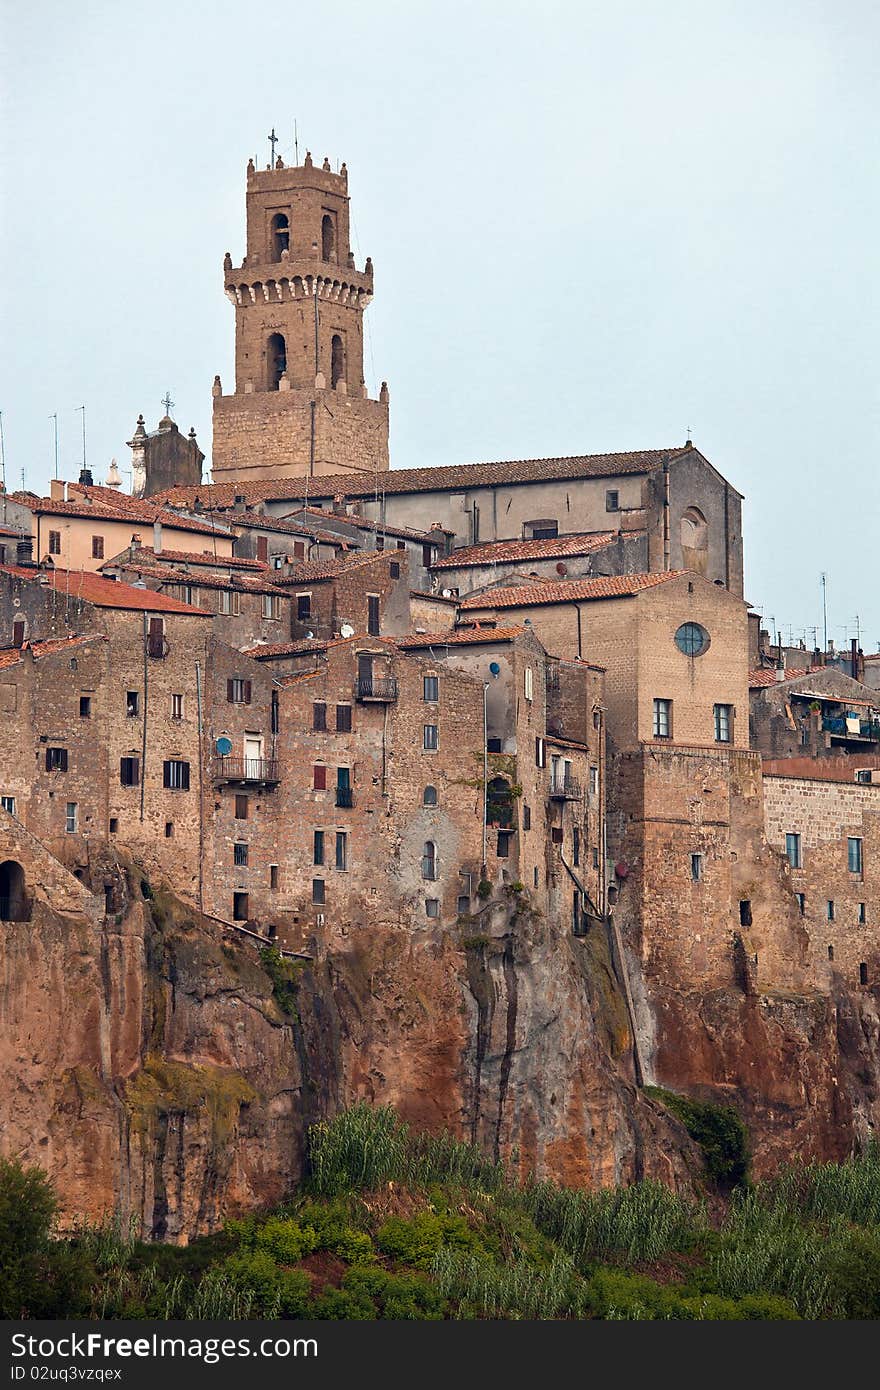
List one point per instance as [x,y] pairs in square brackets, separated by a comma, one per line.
[175,775]
[401,545]
[829,910]
[527,817]
[854,854]
[263,548]
[556,834]
[662,718]
[276,713]
[432,907]
[863,774]
[696,867]
[303,607]
[85,706]
[229,602]
[575,846]
[299,553]
[344,794]
[240,855]
[319,777]
[427,554]
[341,849]
[71,818]
[540,753]
[801,902]
[156,638]
[169,829]
[431,688]
[494,745]
[54,542]
[612,500]
[463,905]
[56,759]
[745,912]
[239,907]
[594,781]
[114,825]
[271,605]
[430,738]
[793,850]
[132,703]
[373,614]
[130,772]
[238,691]
[176,706]
[184,592]
[318,847]
[723,723]
[343,719]
[273,875]
[394,569]
[8,804]
[529,683]
[380,542]
[863,914]
[317,890]
[319,715]
[241,806]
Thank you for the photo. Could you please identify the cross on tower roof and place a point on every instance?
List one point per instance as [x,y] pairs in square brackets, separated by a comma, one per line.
[168,403]
[273,141]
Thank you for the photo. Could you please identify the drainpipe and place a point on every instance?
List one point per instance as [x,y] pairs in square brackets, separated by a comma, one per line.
[485,771]
[666,544]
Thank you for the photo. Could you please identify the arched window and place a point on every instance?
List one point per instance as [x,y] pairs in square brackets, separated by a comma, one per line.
[429,860]
[280,235]
[694,532]
[13,902]
[277,353]
[328,238]
[337,361]
[429,796]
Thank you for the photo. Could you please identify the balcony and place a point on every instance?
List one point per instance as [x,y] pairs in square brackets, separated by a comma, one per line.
[254,771]
[838,726]
[382,689]
[345,797]
[565,790]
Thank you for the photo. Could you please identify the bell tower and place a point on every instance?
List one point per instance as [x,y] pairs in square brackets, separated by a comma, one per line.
[300,405]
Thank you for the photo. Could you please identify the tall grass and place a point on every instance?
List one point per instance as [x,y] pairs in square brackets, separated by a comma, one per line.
[481,1288]
[365,1147]
[637,1223]
[823,1191]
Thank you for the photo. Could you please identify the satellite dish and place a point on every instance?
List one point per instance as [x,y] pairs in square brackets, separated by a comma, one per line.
[224,747]
[494,668]
[309,635]
[446,593]
[346,630]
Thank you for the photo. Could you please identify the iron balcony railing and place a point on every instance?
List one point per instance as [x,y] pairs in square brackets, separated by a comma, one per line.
[344,797]
[229,769]
[867,728]
[376,688]
[565,789]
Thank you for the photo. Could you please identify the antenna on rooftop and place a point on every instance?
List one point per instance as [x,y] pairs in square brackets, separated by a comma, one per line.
[55,418]
[295,141]
[83,409]
[824,611]
[2,456]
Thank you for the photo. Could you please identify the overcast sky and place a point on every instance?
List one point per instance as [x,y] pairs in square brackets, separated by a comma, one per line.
[593,226]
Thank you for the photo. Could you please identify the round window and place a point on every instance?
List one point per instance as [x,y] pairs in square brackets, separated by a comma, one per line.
[692,639]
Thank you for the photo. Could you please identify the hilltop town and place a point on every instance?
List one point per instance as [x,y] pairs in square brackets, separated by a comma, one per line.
[492,763]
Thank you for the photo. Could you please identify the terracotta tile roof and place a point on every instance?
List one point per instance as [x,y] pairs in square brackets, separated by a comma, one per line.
[362,523]
[194,557]
[461,637]
[568,590]
[831,769]
[311,570]
[262,650]
[10,656]
[260,521]
[127,510]
[240,583]
[764,676]
[508,552]
[451,477]
[11,531]
[104,593]
[436,598]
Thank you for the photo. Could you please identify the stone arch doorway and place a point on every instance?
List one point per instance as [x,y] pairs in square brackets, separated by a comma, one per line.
[14,906]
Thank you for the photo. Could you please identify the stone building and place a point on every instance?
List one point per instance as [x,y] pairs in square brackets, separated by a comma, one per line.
[819,712]
[300,405]
[163,458]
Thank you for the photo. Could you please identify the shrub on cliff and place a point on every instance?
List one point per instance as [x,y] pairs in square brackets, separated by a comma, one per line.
[38,1277]
[717,1129]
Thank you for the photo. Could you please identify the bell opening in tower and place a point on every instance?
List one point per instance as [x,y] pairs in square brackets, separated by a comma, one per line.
[280,235]
[337,361]
[328,238]
[277,353]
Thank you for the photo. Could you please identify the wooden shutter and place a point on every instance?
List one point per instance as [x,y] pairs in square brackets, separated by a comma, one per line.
[247,692]
[230,693]
[320,777]
[262,548]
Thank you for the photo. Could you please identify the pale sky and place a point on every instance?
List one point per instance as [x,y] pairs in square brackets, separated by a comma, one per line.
[592,226]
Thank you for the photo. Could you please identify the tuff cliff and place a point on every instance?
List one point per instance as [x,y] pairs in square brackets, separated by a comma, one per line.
[150,1067]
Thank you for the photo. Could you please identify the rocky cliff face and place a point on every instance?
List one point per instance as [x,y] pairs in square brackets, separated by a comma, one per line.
[148,1065]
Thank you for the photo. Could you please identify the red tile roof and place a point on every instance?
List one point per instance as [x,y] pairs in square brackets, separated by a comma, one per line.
[310,570]
[104,593]
[261,521]
[126,509]
[10,656]
[241,583]
[508,552]
[568,590]
[461,637]
[765,676]
[361,523]
[264,650]
[194,557]
[449,478]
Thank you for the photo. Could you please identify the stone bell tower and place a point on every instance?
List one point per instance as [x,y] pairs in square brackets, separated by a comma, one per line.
[300,405]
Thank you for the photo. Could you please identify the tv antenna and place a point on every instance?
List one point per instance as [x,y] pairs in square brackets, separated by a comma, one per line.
[55,419]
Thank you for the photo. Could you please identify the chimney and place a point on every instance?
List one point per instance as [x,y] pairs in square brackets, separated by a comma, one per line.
[339,505]
[24,551]
[157,538]
[85,477]
[239,502]
[56,490]
[780,668]
[854,658]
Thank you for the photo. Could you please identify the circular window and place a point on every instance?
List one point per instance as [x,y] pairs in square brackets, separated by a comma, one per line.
[692,639]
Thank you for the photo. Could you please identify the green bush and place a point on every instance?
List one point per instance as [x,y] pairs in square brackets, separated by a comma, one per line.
[717,1129]
[286,1241]
[416,1240]
[285,975]
[342,1305]
[400,1296]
